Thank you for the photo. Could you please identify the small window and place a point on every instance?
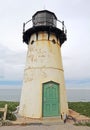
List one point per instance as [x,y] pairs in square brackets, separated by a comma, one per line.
[32,42]
[54,41]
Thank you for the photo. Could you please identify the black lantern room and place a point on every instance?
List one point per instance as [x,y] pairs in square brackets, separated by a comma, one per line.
[44,21]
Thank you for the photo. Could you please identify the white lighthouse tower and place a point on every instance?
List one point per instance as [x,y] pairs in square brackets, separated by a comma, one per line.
[43,92]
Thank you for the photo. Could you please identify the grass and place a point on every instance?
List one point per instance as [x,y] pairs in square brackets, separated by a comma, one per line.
[81,107]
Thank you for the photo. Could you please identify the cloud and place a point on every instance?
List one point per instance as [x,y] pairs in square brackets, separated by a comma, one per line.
[76,50]
[12,64]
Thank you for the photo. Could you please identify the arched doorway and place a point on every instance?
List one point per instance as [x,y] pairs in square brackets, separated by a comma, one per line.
[50,99]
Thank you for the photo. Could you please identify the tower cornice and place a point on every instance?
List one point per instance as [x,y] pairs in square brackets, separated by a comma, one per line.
[49,29]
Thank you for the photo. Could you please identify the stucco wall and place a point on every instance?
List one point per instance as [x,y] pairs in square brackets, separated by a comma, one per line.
[43,64]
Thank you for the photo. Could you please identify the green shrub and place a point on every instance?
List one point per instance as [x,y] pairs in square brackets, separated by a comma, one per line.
[11,107]
[1,114]
[10,116]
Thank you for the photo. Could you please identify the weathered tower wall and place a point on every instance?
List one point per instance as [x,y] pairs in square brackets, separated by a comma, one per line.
[43,64]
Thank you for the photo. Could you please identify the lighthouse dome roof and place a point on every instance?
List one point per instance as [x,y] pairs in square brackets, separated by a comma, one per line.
[44,17]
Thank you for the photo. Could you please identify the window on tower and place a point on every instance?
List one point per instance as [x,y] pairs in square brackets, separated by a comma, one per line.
[54,41]
[32,42]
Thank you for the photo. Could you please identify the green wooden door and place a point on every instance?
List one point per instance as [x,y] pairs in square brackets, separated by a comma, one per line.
[50,99]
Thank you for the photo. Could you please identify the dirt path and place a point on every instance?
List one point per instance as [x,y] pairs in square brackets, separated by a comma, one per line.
[66,126]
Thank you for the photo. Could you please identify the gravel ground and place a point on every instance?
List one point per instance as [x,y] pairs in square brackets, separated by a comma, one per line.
[66,126]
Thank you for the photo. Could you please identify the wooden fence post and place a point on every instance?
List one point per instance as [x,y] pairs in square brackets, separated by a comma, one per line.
[5,112]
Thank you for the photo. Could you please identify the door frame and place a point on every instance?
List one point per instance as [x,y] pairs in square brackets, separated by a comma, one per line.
[58,98]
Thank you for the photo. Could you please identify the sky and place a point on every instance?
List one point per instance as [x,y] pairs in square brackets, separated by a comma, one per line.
[75,51]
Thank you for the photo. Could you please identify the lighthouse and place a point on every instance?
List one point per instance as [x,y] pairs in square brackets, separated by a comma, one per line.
[43,92]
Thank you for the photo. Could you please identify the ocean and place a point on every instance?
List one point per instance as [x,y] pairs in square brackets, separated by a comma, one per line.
[73,95]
